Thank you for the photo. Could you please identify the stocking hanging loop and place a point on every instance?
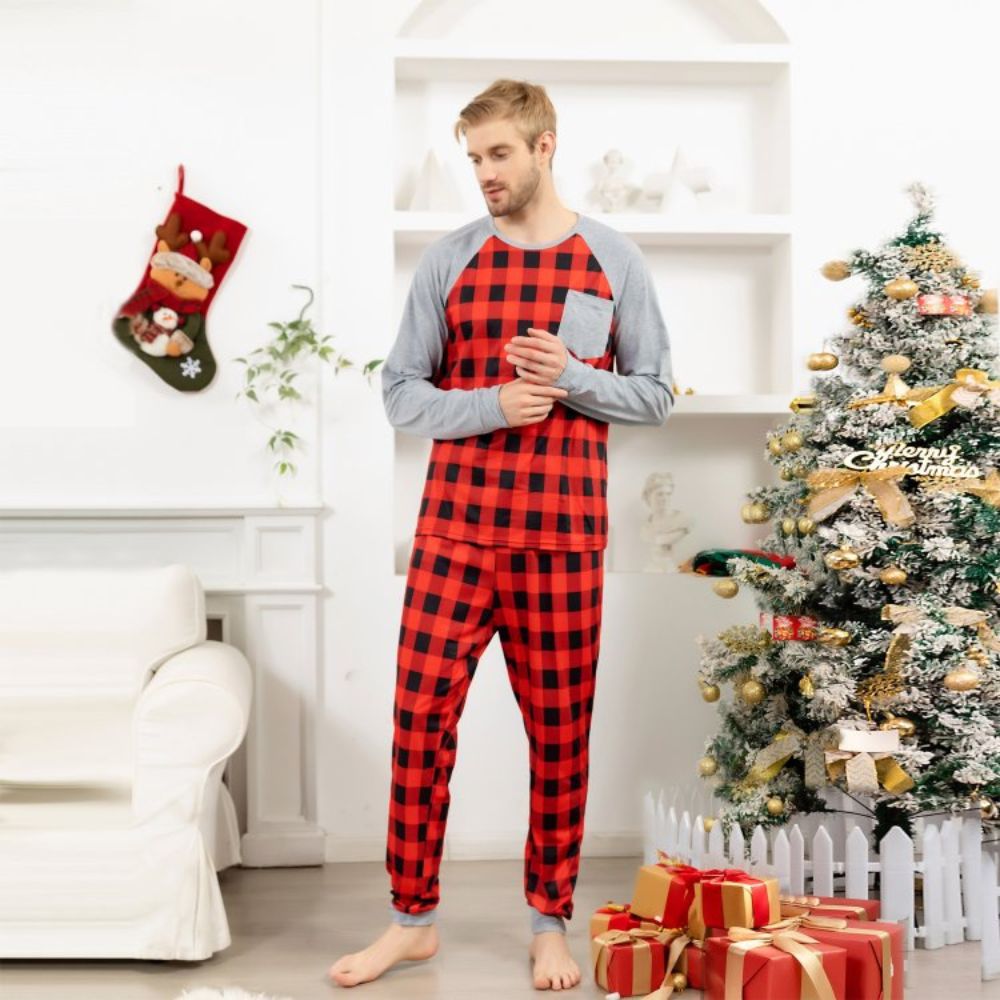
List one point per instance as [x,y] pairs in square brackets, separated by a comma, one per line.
[180,178]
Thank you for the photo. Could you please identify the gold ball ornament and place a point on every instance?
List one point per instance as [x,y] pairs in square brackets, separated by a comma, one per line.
[788,525]
[961,679]
[752,692]
[726,587]
[711,692]
[901,288]
[895,364]
[836,270]
[987,808]
[787,473]
[892,575]
[834,636]
[969,281]
[900,723]
[806,687]
[707,823]
[755,513]
[822,361]
[707,766]
[806,525]
[774,445]
[842,558]
[988,302]
[792,441]
[679,981]
[775,805]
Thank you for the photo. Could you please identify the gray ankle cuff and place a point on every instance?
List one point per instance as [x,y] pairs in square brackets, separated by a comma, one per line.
[546,922]
[413,919]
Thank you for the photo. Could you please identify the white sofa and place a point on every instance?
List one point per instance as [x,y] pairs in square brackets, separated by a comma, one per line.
[117,718]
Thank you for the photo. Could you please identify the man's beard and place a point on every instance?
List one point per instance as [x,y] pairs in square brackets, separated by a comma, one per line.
[518,197]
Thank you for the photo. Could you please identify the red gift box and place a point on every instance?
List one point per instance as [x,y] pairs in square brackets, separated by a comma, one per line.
[932,304]
[636,961]
[830,906]
[694,965]
[788,627]
[874,956]
[664,893]
[730,897]
[785,965]
[617,917]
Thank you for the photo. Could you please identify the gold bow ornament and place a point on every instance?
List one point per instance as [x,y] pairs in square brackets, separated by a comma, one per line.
[906,618]
[986,488]
[832,488]
[966,389]
[790,741]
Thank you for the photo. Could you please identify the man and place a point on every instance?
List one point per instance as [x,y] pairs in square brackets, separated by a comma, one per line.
[504,357]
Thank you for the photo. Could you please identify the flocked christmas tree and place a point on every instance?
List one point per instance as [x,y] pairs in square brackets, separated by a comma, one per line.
[878,580]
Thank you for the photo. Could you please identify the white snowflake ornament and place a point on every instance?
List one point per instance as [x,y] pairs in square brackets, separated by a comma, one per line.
[190,367]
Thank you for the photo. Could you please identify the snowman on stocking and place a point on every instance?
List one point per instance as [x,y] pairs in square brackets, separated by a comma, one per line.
[163,321]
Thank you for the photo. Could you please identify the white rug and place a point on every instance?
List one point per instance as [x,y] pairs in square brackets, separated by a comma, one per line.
[226,993]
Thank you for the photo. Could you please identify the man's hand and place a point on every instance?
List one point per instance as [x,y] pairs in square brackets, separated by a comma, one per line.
[523,402]
[539,358]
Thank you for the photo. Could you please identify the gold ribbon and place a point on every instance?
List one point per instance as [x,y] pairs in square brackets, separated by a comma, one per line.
[802,906]
[865,771]
[906,618]
[815,982]
[832,488]
[964,390]
[790,741]
[844,927]
[987,488]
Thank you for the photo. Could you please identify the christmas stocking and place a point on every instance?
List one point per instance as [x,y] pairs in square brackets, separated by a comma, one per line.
[163,322]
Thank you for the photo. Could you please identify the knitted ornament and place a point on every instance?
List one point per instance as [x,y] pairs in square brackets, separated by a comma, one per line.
[712,562]
[163,322]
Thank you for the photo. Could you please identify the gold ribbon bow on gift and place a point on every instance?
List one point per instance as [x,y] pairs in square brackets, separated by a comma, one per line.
[832,488]
[790,741]
[906,617]
[842,926]
[642,968]
[815,982]
[964,390]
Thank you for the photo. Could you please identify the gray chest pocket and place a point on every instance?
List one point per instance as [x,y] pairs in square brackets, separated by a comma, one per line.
[585,324]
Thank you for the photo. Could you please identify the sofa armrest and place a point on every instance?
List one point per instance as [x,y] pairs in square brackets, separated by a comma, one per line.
[191,715]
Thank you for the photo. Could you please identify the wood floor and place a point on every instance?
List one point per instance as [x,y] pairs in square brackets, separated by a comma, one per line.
[288,925]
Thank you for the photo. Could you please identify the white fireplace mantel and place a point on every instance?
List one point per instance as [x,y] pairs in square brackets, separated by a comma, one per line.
[260,569]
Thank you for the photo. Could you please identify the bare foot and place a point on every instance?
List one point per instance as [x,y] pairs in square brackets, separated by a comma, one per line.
[554,965]
[397,943]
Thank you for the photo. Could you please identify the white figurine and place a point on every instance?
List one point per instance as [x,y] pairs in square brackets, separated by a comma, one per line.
[665,526]
[612,189]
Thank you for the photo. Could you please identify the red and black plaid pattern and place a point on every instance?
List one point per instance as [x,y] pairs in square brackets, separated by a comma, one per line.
[546,605]
[543,485]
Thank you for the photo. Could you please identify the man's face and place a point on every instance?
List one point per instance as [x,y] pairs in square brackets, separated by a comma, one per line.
[508,173]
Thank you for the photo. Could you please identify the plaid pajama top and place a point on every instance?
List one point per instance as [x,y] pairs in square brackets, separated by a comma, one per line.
[542,485]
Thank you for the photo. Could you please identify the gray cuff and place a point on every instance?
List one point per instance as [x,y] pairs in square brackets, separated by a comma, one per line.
[572,377]
[492,395]
[413,919]
[541,922]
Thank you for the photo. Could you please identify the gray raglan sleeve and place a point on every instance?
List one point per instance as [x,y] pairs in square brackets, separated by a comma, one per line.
[412,402]
[640,390]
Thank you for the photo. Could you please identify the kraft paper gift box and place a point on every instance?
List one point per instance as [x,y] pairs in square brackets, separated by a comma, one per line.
[732,898]
[784,965]
[637,961]
[617,917]
[830,906]
[665,893]
[874,954]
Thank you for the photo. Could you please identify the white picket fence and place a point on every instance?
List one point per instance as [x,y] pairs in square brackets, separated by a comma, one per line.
[941,884]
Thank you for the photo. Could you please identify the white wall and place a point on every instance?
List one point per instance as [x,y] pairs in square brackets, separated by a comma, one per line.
[270,108]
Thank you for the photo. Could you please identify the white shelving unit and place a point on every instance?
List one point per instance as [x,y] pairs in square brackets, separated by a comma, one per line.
[714,78]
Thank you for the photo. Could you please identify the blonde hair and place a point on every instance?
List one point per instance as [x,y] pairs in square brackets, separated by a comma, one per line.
[527,105]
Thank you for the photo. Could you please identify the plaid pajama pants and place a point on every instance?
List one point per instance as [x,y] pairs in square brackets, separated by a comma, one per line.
[546,605]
